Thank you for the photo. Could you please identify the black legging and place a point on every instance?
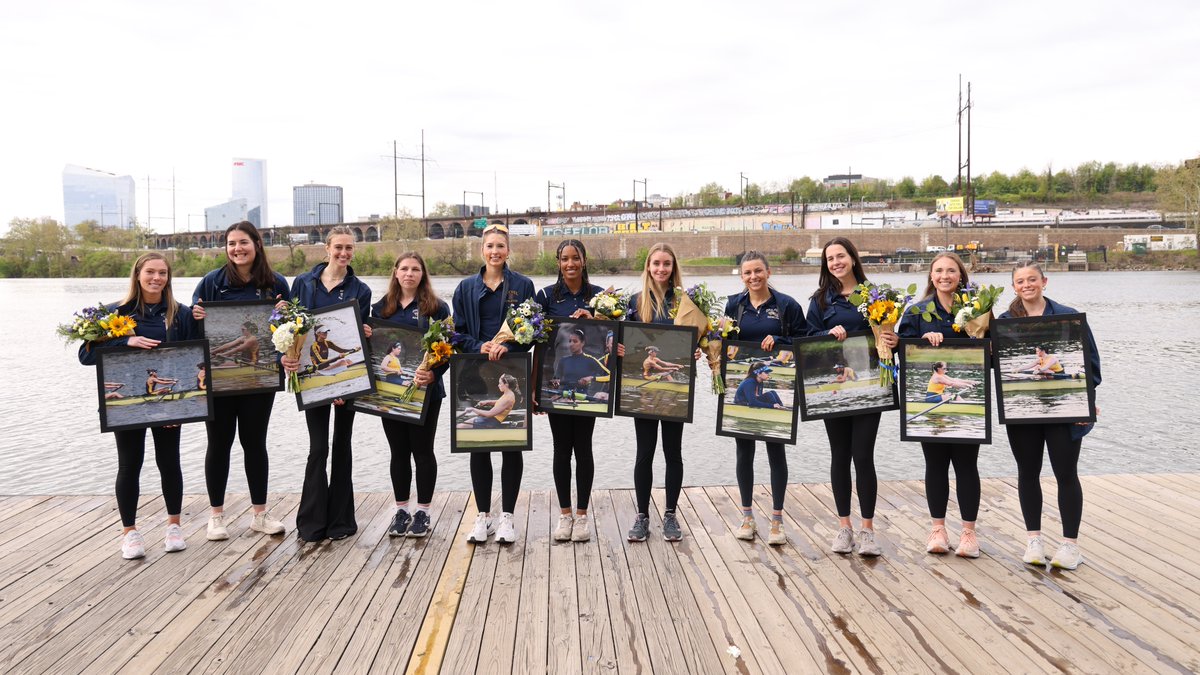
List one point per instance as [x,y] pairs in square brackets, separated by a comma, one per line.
[745,472]
[938,457]
[247,416]
[511,467]
[131,451]
[646,432]
[573,434]
[1027,441]
[327,500]
[852,438]
[414,442]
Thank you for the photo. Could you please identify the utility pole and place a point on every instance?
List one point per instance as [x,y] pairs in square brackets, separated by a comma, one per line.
[563,188]
[636,205]
[968,198]
[396,157]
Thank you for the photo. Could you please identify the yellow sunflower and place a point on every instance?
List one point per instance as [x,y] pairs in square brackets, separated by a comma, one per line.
[120,326]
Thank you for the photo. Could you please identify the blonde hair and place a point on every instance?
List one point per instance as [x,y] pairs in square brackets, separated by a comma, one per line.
[962,271]
[652,300]
[135,288]
[1017,306]
[335,231]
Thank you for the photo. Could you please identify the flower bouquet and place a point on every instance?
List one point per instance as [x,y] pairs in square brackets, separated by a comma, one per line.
[288,327]
[609,304]
[972,308]
[882,305]
[701,309]
[439,342]
[96,324]
[525,324]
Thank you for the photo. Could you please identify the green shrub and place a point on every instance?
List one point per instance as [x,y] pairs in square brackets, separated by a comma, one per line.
[790,254]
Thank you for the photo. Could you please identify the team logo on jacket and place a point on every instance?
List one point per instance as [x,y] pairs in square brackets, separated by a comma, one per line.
[512,297]
[773,313]
[415,311]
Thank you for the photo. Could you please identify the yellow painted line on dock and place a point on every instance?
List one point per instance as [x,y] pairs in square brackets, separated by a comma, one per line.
[431,642]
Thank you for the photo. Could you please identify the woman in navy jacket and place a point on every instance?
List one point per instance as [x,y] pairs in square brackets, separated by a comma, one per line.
[246,276]
[159,319]
[411,301]
[327,500]
[568,298]
[1061,441]
[481,304]
[947,275]
[770,318]
[851,438]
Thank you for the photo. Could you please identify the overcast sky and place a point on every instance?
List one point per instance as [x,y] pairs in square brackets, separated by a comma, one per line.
[512,95]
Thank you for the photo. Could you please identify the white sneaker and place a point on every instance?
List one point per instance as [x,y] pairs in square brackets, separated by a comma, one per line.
[580,530]
[263,522]
[1035,552]
[565,525]
[1068,556]
[132,545]
[484,527]
[216,528]
[506,532]
[174,539]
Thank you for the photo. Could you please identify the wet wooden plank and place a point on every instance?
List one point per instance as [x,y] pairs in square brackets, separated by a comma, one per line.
[629,638]
[565,618]
[531,639]
[507,626]
[596,649]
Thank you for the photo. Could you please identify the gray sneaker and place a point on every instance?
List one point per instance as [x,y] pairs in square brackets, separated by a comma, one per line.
[866,543]
[844,541]
[671,531]
[640,529]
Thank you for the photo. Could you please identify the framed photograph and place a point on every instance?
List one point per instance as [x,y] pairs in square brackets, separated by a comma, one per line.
[945,390]
[657,377]
[142,388]
[239,342]
[491,403]
[394,352]
[1042,371]
[333,363]
[574,368]
[841,378]
[759,402]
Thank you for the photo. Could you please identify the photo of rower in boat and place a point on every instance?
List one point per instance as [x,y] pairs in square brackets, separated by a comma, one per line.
[759,402]
[157,387]
[332,363]
[841,378]
[394,354]
[239,342]
[657,376]
[1042,370]
[499,417]
[945,390]
[574,368]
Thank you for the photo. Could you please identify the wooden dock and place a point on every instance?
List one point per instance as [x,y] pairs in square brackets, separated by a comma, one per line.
[708,604]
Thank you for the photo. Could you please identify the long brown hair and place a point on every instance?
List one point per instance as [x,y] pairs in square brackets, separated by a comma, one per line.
[651,302]
[135,288]
[930,290]
[427,299]
[1017,306]
[513,385]
[827,283]
[262,276]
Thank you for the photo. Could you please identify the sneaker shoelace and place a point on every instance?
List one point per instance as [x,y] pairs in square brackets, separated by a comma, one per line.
[937,534]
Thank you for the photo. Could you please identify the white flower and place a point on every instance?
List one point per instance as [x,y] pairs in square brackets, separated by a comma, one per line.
[284,337]
[964,315]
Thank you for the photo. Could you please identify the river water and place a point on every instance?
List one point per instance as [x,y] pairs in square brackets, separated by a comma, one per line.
[1144,323]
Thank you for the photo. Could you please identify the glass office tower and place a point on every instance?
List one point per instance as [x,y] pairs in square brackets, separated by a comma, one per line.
[250,183]
[90,194]
[314,204]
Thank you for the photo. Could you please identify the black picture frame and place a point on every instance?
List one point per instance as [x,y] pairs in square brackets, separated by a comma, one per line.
[594,399]
[757,422]
[662,399]
[1061,399]
[386,401]
[473,377]
[186,401]
[820,396]
[222,323]
[354,379]
[965,421]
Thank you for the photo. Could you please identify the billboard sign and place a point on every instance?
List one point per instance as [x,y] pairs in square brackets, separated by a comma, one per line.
[947,205]
[985,207]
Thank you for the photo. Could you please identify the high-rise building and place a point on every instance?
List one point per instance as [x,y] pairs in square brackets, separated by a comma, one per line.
[90,194]
[314,204]
[250,183]
[222,216]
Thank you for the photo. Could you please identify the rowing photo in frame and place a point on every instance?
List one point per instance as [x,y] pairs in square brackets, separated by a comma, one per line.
[573,374]
[491,403]
[841,378]
[239,343]
[657,376]
[1042,371]
[394,352]
[759,402]
[945,391]
[141,388]
[332,363]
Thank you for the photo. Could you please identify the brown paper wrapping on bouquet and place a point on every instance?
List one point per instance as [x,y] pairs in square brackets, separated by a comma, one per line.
[885,352]
[690,315]
[505,334]
[978,327]
[297,347]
